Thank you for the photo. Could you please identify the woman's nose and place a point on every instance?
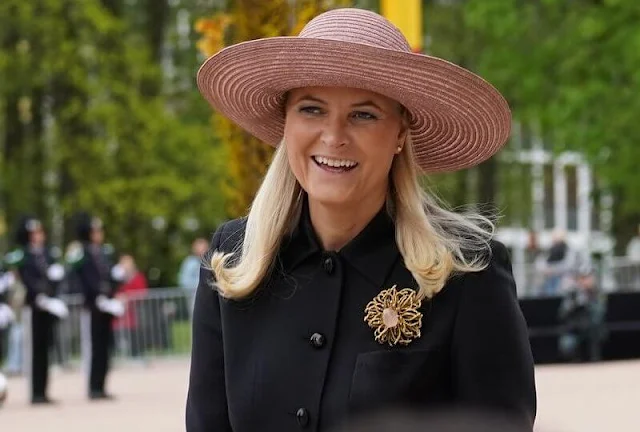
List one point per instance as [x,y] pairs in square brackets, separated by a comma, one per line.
[334,133]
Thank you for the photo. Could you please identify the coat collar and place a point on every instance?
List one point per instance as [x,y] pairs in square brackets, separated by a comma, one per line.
[373,252]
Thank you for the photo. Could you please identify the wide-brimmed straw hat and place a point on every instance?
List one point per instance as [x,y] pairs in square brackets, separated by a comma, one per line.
[457,119]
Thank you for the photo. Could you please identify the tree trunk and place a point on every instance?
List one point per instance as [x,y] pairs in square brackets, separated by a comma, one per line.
[13,143]
[487,183]
[157,15]
[113,6]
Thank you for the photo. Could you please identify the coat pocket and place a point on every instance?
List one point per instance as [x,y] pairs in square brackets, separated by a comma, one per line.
[398,377]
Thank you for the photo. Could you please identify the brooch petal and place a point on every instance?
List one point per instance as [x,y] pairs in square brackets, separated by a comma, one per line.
[394,316]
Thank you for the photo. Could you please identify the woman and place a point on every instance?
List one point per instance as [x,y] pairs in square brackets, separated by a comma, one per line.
[347,289]
[131,293]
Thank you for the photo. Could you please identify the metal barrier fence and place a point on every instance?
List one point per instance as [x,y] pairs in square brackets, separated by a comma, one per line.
[614,275]
[156,323]
[625,274]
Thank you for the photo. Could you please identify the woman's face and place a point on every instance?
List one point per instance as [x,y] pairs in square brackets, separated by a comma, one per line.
[128,265]
[341,142]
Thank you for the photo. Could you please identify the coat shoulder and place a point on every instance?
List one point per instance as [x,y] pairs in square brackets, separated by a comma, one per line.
[500,253]
[229,236]
[495,279]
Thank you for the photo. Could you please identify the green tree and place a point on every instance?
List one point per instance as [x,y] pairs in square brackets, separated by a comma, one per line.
[571,68]
[91,120]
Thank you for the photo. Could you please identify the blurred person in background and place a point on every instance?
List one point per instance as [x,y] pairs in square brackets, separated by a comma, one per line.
[633,254]
[633,247]
[6,319]
[558,265]
[68,334]
[7,316]
[189,273]
[132,290]
[535,262]
[581,315]
[98,278]
[14,297]
[348,289]
[41,275]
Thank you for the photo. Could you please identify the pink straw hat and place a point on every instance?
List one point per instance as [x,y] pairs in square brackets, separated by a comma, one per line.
[457,119]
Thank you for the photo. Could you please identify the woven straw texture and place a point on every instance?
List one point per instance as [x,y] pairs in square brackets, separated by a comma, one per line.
[457,119]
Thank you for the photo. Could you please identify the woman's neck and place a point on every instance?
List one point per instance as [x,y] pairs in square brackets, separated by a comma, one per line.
[337,225]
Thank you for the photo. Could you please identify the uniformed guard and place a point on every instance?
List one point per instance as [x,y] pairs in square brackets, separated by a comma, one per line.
[35,265]
[6,318]
[97,276]
[6,313]
[6,280]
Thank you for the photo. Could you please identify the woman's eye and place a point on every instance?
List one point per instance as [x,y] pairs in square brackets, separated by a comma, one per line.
[361,115]
[311,110]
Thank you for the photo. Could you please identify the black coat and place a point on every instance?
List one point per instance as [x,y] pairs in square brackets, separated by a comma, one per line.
[32,270]
[92,273]
[298,354]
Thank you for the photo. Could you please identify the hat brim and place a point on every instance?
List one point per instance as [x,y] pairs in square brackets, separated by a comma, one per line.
[458,120]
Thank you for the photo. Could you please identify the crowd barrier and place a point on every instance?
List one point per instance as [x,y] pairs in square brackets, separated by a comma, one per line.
[156,323]
[625,274]
[621,326]
[616,274]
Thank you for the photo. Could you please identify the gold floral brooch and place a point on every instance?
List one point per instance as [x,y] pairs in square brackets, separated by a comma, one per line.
[394,316]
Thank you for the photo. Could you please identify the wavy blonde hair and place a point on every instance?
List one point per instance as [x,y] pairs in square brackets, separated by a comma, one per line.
[434,241]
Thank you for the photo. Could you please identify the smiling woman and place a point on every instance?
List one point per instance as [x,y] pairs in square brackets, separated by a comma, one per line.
[340,144]
[348,289]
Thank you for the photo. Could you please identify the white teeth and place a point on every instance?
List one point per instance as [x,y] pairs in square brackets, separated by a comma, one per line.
[336,163]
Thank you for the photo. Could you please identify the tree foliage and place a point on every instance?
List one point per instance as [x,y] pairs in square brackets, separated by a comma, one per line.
[90,122]
[571,69]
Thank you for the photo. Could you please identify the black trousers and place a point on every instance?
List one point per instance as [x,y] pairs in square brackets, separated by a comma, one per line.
[41,340]
[101,348]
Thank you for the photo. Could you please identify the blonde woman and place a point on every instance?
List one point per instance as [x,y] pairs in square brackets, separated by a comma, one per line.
[347,289]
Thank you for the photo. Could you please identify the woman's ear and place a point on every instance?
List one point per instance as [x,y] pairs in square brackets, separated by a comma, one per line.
[404,127]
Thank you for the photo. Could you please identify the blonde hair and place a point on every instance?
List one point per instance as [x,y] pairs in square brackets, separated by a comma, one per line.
[434,242]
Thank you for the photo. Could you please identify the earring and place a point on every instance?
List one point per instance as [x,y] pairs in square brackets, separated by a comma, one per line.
[399,149]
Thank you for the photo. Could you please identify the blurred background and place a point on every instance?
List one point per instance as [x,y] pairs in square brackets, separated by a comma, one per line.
[99,112]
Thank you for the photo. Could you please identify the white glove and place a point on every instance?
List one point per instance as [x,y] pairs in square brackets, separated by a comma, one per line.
[55,272]
[117,273]
[6,280]
[52,305]
[3,388]
[110,306]
[6,316]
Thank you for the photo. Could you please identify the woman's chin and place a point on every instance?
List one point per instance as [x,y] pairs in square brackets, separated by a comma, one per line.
[330,197]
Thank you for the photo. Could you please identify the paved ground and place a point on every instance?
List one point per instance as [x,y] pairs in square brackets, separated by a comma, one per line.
[149,399]
[599,398]
[589,398]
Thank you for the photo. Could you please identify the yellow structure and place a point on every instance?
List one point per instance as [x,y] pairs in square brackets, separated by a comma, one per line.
[407,16]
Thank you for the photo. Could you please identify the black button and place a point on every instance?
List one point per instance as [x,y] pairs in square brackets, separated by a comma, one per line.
[302,416]
[328,265]
[317,340]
